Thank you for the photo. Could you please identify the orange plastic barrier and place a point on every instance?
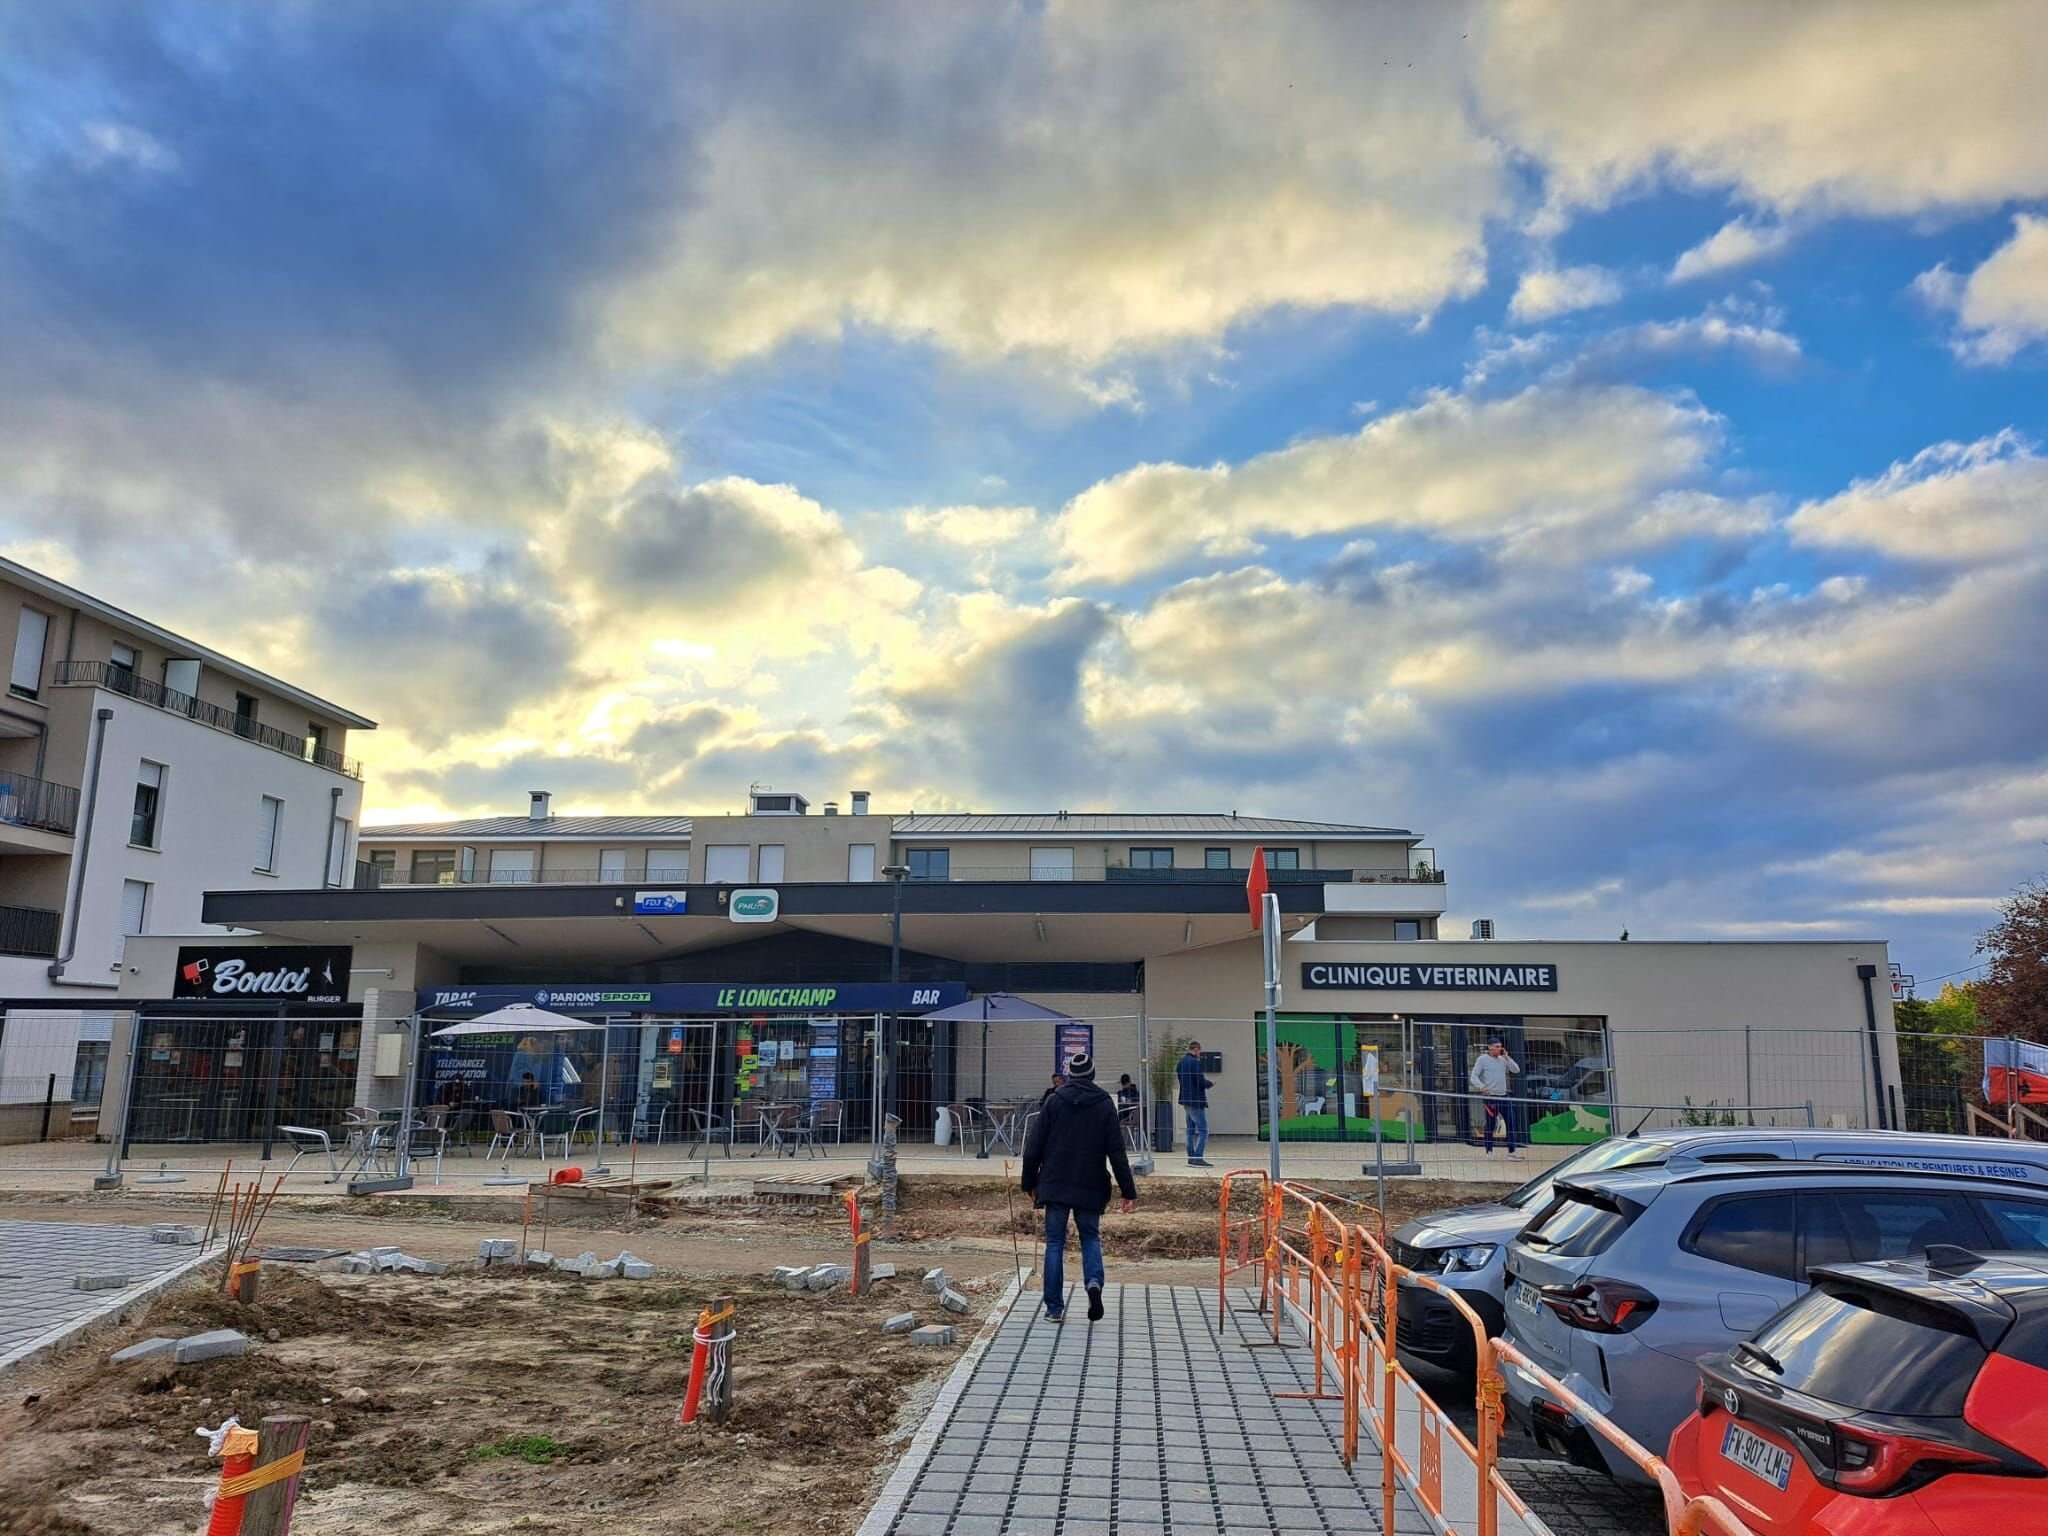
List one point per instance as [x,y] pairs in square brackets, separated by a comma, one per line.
[1342,1283]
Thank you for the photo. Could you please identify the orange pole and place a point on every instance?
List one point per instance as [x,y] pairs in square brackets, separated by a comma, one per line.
[238,1458]
[1389,1404]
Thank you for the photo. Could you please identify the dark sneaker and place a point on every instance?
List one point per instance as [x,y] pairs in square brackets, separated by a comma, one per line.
[1094,1303]
[1055,1317]
[1201,1162]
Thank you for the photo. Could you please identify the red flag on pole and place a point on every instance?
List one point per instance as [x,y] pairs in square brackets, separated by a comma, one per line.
[1255,886]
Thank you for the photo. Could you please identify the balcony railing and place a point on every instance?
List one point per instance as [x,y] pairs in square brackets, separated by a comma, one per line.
[370,876]
[130,684]
[37,803]
[28,931]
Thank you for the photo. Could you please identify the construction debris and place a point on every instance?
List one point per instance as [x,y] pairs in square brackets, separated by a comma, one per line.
[882,1272]
[935,1280]
[828,1277]
[175,1234]
[222,1343]
[491,1248]
[902,1322]
[148,1349]
[934,1334]
[952,1300]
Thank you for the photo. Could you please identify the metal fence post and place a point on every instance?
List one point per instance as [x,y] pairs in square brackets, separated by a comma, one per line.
[49,1101]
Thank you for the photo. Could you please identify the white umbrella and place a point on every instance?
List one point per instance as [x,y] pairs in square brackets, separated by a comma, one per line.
[526,1016]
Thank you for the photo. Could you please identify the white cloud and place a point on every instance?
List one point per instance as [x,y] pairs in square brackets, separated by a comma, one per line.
[1735,244]
[971,527]
[1953,503]
[1713,331]
[2003,305]
[1864,106]
[1547,291]
[1533,468]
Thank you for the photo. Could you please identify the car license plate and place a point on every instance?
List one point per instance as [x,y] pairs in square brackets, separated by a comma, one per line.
[1758,1456]
[1524,1296]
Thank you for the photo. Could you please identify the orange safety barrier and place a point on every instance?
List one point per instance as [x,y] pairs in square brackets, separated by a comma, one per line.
[1342,1283]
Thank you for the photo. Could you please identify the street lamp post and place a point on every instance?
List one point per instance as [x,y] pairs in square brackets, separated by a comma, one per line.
[885,1047]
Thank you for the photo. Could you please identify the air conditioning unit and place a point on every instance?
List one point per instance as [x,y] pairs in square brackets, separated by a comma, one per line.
[1482,927]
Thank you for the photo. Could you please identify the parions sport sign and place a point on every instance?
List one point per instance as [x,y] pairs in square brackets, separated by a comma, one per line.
[1411,976]
[276,973]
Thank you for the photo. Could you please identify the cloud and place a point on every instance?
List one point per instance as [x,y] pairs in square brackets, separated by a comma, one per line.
[1706,333]
[2002,307]
[1836,105]
[1547,291]
[1534,469]
[1737,243]
[1950,504]
[972,527]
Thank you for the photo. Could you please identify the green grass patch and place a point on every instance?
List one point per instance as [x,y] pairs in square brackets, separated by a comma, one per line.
[1324,1128]
[540,1450]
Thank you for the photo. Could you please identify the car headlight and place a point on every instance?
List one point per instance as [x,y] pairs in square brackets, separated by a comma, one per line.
[1470,1257]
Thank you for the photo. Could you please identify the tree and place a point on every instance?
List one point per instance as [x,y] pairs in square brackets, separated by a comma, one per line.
[2012,995]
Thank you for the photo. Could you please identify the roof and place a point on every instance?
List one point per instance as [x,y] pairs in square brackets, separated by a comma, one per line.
[1071,824]
[1116,823]
[510,828]
[71,597]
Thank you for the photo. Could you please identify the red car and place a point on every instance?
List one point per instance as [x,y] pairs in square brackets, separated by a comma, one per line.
[1906,1398]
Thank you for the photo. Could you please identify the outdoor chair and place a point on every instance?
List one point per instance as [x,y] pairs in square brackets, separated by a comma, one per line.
[828,1117]
[802,1132]
[643,1125]
[307,1139]
[543,1135]
[447,1120]
[962,1116]
[584,1123]
[508,1134]
[429,1131]
[746,1121]
[708,1126]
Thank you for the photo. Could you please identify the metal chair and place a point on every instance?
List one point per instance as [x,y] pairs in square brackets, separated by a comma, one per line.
[746,1121]
[429,1130]
[829,1115]
[658,1124]
[962,1116]
[583,1123]
[309,1139]
[707,1126]
[542,1135]
[508,1132]
[802,1133]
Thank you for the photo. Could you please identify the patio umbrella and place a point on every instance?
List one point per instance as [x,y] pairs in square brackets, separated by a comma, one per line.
[526,1016]
[996,1008]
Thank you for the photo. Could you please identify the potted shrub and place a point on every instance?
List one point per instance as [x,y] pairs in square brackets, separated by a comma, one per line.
[1164,1065]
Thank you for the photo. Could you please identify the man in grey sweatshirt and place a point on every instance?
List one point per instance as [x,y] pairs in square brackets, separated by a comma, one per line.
[1490,1081]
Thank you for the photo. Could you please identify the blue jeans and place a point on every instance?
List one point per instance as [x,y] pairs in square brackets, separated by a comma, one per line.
[1198,1129]
[1500,1113]
[1090,1225]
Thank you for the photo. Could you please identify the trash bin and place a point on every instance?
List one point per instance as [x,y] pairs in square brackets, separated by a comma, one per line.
[942,1135]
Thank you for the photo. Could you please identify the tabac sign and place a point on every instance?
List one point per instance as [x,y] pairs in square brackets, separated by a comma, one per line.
[1426,976]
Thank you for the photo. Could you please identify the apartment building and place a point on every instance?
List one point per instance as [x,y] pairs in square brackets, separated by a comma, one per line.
[138,770]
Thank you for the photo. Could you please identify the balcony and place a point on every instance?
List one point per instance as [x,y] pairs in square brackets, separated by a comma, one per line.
[29,931]
[370,877]
[124,681]
[38,804]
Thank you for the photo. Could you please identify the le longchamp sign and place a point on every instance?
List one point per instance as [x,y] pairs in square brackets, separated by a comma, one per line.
[1410,976]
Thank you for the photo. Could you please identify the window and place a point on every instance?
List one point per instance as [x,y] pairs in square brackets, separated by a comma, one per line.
[465,866]
[860,861]
[149,797]
[611,865]
[513,866]
[433,866]
[931,863]
[383,864]
[30,635]
[269,816]
[1052,863]
[1578,1226]
[2017,1224]
[89,1073]
[316,740]
[245,714]
[668,864]
[337,856]
[1754,1233]
[1151,858]
[134,907]
[1407,928]
[726,863]
[1215,858]
[1283,858]
[1852,1225]
[122,656]
[1874,1350]
[772,855]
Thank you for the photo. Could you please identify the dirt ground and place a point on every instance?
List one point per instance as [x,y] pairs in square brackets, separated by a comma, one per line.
[488,1402]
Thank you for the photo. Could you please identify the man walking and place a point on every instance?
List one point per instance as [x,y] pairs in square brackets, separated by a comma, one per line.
[1074,1146]
[1490,1081]
[1194,1100]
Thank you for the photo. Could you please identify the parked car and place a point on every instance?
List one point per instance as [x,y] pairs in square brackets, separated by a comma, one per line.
[1627,1280]
[1466,1247]
[1895,1399]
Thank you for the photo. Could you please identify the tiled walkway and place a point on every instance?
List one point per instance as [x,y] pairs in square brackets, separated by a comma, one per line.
[39,1260]
[1148,1423]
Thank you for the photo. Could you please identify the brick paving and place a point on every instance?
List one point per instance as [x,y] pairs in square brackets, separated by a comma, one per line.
[39,1260]
[1148,1423]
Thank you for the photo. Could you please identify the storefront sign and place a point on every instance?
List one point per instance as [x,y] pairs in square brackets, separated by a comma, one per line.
[278,973]
[1410,976]
[703,997]
[1071,1040]
[760,905]
[660,903]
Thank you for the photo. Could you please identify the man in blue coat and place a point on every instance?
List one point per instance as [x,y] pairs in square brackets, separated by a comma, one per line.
[1076,1143]
[1194,1101]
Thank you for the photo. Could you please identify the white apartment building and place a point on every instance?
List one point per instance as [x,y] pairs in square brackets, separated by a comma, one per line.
[139,769]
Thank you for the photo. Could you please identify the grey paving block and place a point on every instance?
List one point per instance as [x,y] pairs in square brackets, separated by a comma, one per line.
[633,1267]
[933,1334]
[902,1322]
[221,1344]
[102,1281]
[175,1235]
[881,1272]
[828,1277]
[952,1300]
[935,1280]
[539,1257]
[148,1349]
[490,1248]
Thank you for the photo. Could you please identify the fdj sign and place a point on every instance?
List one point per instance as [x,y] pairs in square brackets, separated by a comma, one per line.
[275,973]
[1406,976]
[754,906]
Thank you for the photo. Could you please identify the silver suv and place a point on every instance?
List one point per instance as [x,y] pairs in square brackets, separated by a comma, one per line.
[1627,1280]
[1466,1247]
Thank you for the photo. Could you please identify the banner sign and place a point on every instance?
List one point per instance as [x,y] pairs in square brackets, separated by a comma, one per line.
[693,997]
[2015,1072]
[660,903]
[278,973]
[1071,1040]
[824,1062]
[1410,976]
[760,904]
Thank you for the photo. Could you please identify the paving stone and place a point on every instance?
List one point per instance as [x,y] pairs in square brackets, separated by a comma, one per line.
[902,1322]
[933,1334]
[148,1349]
[935,1280]
[829,1277]
[497,1248]
[632,1267]
[221,1344]
[881,1272]
[952,1300]
[175,1235]
[102,1282]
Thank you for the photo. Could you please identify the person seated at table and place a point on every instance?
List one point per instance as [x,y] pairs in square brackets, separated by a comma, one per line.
[1126,1093]
[528,1095]
[452,1093]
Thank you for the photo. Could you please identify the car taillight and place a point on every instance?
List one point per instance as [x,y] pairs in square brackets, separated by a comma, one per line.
[1877,1462]
[1600,1306]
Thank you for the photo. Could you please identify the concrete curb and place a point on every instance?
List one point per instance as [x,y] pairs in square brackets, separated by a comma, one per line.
[117,1306]
[896,1491]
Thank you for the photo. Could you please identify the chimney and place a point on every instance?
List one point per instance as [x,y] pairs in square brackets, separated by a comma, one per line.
[537,805]
[831,807]
[860,802]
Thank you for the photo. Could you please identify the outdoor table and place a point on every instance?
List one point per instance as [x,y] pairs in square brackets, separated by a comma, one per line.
[1004,1121]
[775,1119]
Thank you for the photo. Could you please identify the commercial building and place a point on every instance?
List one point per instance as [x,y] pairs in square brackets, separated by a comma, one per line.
[138,770]
[761,954]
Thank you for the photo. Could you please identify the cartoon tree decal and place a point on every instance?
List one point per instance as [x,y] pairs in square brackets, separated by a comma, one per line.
[1293,1060]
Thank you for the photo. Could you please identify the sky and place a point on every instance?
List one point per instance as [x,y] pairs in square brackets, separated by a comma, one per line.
[1607,439]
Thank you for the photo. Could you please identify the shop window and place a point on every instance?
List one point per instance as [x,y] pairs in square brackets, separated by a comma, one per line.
[1151,858]
[149,794]
[931,863]
[1215,858]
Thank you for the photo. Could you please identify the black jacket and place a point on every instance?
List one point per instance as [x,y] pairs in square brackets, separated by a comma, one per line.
[1074,1144]
[1194,1088]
